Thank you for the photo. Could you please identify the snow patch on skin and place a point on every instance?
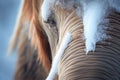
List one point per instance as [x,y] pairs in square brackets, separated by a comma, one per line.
[93,15]
[66,40]
[115,4]
[92,12]
[46,9]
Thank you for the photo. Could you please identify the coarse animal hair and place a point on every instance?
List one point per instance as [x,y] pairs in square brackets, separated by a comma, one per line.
[39,38]
[30,39]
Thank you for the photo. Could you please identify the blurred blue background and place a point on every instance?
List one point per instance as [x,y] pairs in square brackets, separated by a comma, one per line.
[8,15]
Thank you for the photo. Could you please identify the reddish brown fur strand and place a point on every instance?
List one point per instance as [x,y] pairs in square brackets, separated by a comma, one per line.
[42,43]
[25,16]
[28,68]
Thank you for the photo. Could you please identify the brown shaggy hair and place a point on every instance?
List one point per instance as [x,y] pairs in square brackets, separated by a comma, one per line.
[39,38]
[30,21]
[28,68]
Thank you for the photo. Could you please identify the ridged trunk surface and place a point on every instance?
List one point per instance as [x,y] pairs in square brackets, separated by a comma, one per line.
[102,64]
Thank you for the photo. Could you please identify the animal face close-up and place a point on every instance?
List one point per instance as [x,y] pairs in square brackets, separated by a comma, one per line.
[68,40]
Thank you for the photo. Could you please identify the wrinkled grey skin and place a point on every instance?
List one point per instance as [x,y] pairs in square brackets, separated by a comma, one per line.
[102,64]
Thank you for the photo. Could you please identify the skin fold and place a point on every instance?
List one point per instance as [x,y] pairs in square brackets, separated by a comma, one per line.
[103,63]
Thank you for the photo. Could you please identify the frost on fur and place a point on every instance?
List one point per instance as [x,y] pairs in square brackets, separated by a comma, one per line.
[63,46]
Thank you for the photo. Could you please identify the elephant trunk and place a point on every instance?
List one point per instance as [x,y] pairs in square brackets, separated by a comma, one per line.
[102,64]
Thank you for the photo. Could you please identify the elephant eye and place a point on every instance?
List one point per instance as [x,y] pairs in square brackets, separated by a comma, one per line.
[51,21]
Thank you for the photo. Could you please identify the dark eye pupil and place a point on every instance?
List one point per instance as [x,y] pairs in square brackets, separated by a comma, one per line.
[51,21]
